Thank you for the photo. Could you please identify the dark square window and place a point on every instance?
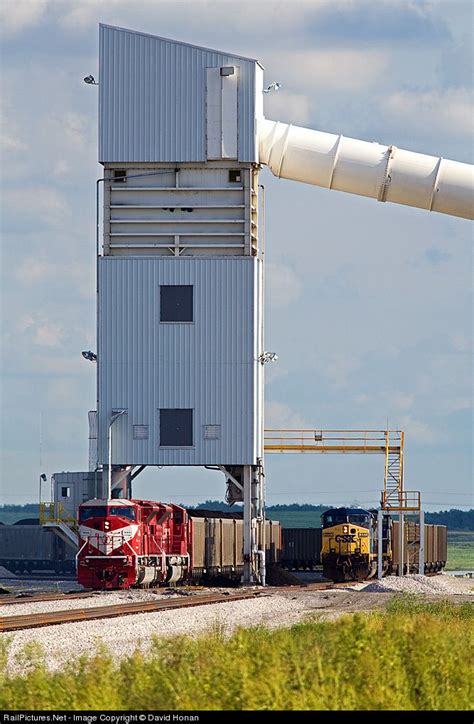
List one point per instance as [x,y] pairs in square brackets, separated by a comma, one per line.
[65,492]
[176,303]
[120,176]
[235,176]
[176,428]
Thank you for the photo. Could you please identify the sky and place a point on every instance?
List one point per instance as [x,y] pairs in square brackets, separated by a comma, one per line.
[368,305]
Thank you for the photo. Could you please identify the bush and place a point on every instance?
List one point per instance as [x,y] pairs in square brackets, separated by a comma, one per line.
[407,658]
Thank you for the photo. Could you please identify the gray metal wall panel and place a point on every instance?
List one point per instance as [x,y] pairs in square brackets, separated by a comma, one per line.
[152,99]
[83,485]
[208,365]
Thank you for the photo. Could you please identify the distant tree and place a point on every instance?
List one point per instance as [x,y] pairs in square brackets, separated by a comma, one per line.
[218,505]
[300,507]
[25,508]
[455,519]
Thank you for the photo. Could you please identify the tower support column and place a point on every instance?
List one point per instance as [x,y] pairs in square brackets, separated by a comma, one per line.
[254,526]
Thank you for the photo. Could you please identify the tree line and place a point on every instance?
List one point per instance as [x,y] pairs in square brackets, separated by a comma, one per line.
[454,518]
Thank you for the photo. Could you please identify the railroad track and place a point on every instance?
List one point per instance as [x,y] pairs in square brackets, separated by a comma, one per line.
[29,621]
[8,599]
[15,623]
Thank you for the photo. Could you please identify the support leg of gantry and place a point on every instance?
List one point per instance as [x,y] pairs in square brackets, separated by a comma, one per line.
[401,543]
[421,552]
[252,498]
[247,482]
[261,527]
[379,544]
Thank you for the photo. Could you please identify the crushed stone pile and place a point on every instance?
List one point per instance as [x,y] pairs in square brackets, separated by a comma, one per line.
[437,585]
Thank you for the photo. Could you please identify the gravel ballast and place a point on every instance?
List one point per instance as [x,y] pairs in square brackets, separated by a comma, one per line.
[125,634]
[432,585]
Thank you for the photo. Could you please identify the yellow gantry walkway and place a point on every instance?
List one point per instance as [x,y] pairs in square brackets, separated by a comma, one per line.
[383,442]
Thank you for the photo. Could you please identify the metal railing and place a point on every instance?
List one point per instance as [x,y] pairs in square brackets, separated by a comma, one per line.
[406,501]
[332,441]
[54,513]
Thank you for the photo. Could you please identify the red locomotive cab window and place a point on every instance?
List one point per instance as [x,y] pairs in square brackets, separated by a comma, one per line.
[122,511]
[88,512]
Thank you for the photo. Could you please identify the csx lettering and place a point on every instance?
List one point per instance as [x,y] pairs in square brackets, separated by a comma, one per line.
[347,538]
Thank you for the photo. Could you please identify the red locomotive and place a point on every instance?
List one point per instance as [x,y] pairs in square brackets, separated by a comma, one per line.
[125,543]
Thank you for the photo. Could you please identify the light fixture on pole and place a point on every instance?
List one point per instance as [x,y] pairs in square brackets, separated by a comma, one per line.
[90,356]
[273,86]
[90,80]
[267,357]
[42,479]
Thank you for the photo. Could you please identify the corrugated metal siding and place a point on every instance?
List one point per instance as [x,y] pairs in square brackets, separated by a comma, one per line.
[208,365]
[83,485]
[152,102]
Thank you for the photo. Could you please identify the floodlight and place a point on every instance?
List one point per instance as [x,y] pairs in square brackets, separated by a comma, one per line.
[273,86]
[91,356]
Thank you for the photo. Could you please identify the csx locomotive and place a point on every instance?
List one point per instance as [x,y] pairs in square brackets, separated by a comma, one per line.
[349,544]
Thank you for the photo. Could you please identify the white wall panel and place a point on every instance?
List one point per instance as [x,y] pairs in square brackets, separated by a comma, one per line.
[152,98]
[208,365]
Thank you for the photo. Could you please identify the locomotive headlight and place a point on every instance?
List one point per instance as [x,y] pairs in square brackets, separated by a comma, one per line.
[107,525]
[345,529]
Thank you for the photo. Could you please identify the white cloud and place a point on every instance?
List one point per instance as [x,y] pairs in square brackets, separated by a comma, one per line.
[288,107]
[48,334]
[439,111]
[339,368]
[336,69]
[400,401]
[278,415]
[417,431]
[275,372]
[76,127]
[84,13]
[10,142]
[25,322]
[17,15]
[459,404]
[32,270]
[62,169]
[194,14]
[460,342]
[45,204]
[36,329]
[283,284]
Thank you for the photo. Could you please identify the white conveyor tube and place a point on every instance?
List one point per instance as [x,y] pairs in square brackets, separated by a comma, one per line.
[385,173]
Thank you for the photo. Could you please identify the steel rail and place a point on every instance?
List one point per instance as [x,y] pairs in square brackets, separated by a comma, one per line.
[51,618]
[28,621]
[10,599]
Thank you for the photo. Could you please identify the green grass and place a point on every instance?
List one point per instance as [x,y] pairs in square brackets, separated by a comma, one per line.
[460,550]
[408,658]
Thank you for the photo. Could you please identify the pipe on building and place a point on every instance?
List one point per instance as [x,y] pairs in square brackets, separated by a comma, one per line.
[385,173]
